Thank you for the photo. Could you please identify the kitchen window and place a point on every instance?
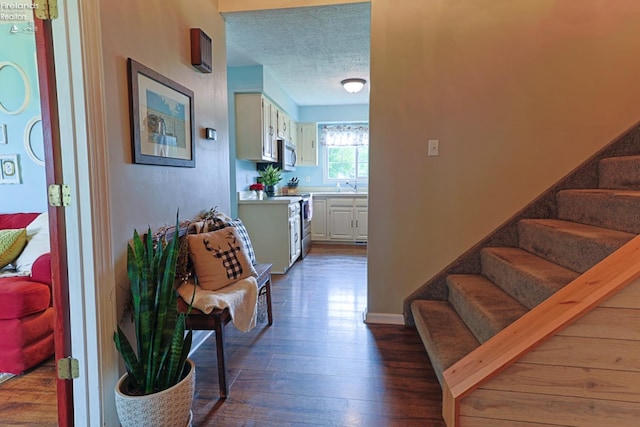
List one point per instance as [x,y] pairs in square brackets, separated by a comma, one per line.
[346,151]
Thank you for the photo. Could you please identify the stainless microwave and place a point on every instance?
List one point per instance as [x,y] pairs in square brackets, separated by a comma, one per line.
[286,157]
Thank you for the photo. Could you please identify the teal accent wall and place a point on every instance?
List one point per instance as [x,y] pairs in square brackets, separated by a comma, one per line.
[18,52]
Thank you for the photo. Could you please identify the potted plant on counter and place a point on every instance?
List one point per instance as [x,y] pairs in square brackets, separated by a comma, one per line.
[158,388]
[270,177]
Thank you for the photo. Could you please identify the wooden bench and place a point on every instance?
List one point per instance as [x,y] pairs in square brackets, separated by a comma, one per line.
[217,319]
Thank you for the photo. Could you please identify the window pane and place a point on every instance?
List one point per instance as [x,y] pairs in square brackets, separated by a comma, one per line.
[363,161]
[363,170]
[341,162]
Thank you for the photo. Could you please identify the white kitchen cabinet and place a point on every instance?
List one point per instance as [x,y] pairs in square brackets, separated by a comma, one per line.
[284,126]
[361,216]
[341,223]
[319,219]
[274,228]
[340,218]
[256,122]
[293,135]
[307,144]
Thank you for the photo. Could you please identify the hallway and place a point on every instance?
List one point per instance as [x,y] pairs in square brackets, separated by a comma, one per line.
[319,364]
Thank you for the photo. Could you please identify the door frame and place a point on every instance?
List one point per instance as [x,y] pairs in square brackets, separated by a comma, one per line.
[53,172]
[77,58]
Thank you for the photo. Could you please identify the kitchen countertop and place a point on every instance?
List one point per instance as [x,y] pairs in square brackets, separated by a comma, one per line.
[271,200]
[339,194]
[246,198]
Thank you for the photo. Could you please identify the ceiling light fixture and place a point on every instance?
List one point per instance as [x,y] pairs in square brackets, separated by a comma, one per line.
[353,85]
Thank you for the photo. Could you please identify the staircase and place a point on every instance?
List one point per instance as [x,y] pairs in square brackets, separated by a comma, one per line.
[572,227]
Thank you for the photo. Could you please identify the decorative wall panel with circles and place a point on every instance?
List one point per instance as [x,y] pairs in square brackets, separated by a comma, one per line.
[28,142]
[27,88]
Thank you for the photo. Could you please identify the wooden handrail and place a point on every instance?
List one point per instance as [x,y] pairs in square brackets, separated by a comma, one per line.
[557,312]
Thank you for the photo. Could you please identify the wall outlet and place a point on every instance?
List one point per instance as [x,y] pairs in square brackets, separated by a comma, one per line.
[307,178]
[3,134]
[434,146]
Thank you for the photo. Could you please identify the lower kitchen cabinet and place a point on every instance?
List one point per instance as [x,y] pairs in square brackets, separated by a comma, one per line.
[319,220]
[340,218]
[275,231]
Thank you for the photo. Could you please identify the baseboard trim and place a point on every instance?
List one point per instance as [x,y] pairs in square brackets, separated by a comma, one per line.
[383,318]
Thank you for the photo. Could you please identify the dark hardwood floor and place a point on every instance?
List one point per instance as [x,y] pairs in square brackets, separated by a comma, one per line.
[319,364]
[30,399]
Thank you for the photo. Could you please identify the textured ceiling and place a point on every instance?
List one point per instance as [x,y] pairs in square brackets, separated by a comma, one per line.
[308,50]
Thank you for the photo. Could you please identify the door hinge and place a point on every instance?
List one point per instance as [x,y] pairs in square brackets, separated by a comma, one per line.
[59,195]
[68,368]
[46,9]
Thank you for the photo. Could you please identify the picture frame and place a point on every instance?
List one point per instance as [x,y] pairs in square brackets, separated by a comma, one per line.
[9,169]
[162,118]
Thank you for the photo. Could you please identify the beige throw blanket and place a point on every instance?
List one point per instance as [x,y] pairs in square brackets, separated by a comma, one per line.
[240,297]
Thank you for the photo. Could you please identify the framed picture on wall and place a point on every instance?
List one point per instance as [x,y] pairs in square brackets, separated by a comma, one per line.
[9,169]
[161,110]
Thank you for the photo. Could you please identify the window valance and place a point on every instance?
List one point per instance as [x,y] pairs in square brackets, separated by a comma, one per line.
[344,134]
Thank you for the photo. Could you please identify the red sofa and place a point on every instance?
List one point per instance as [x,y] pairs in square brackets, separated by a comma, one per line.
[26,312]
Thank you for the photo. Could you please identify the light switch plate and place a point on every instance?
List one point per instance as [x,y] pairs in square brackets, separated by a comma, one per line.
[433,147]
[3,134]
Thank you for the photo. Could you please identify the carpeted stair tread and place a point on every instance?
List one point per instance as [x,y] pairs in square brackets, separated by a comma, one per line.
[575,246]
[621,173]
[614,209]
[445,336]
[484,308]
[523,275]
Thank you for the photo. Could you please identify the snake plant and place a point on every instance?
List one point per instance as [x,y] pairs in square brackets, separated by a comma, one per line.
[162,345]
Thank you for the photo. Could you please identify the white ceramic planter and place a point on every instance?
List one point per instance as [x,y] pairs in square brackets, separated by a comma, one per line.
[168,408]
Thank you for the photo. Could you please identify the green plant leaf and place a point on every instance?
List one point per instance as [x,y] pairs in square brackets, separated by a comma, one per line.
[159,329]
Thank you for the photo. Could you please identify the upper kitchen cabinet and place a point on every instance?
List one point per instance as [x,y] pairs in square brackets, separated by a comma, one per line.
[256,124]
[307,144]
[284,126]
[294,134]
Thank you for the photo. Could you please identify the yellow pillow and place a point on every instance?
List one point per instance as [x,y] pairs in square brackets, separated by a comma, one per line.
[12,241]
[220,258]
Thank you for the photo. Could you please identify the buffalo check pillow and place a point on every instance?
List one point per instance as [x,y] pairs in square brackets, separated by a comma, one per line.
[244,235]
[220,258]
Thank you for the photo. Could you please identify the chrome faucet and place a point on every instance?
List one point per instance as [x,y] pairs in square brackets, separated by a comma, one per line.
[354,186]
